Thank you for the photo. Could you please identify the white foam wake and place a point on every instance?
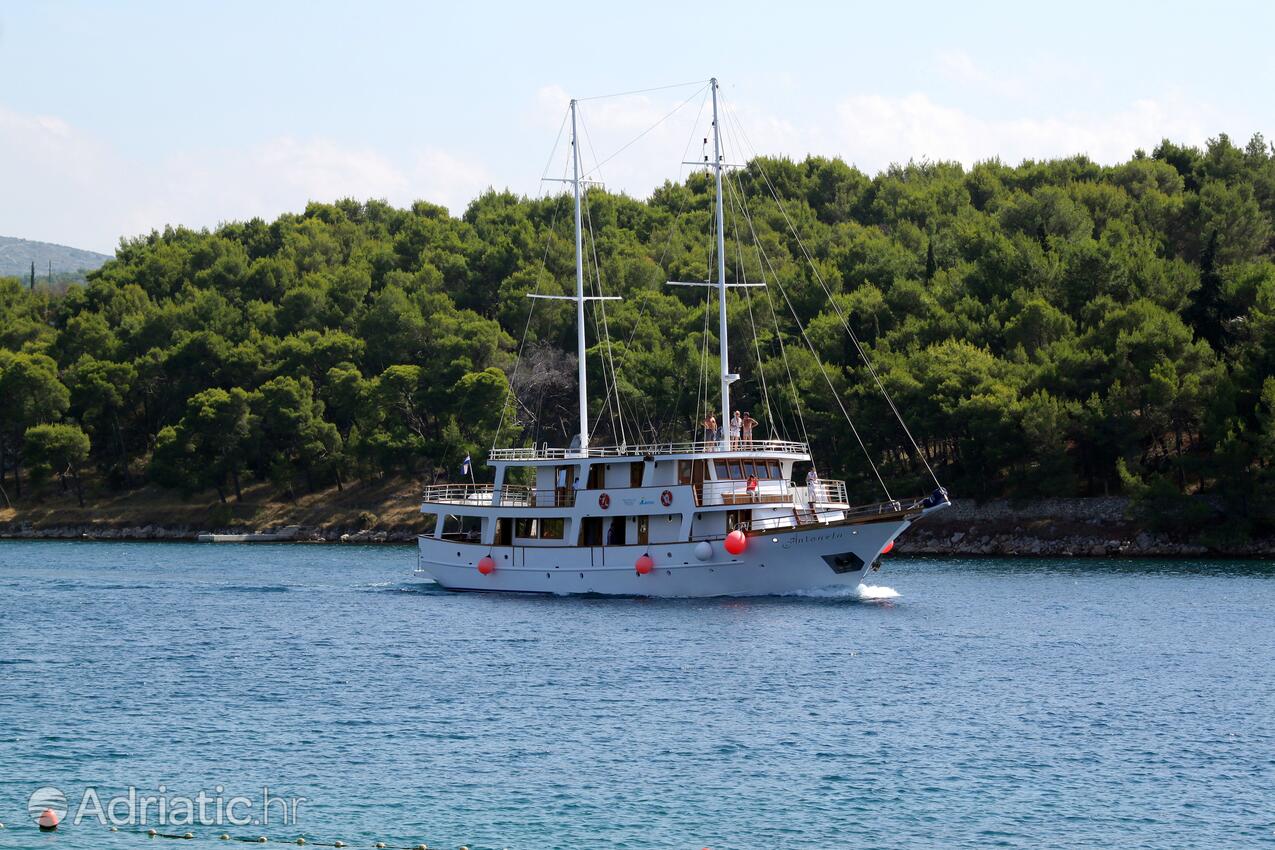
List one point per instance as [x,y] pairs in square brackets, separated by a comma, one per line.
[864,592]
[872,591]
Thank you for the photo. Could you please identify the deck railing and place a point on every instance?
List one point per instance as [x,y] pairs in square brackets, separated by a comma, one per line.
[484,495]
[825,491]
[761,447]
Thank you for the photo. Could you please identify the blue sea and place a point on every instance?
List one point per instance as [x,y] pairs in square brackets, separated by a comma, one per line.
[950,704]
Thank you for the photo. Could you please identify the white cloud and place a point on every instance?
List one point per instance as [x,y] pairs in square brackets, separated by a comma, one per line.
[62,185]
[875,131]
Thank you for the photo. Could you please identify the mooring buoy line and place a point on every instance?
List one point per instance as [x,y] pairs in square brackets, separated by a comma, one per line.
[263,839]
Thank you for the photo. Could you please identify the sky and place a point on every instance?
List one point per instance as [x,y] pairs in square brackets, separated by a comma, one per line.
[119,118]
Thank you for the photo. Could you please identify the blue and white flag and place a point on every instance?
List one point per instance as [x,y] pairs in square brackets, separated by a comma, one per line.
[464,467]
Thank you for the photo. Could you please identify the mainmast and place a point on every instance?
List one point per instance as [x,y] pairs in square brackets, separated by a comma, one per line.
[727,377]
[580,349]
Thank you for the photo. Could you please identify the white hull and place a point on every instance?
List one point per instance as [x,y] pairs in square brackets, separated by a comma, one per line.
[775,563]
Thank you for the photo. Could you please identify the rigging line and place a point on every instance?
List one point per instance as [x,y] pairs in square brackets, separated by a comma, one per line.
[644,91]
[605,333]
[610,354]
[641,135]
[626,352]
[553,151]
[597,330]
[819,362]
[837,308]
[764,261]
[513,377]
[748,299]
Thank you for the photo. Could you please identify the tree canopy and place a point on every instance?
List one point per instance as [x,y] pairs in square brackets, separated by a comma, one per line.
[1056,327]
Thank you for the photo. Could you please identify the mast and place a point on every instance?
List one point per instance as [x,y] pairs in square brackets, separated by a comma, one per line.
[727,377]
[579,299]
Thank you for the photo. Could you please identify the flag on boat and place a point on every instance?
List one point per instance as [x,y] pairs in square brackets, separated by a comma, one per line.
[464,467]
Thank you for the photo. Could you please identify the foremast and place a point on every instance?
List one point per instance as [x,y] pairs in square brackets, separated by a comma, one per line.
[580,346]
[723,341]
[579,298]
[727,377]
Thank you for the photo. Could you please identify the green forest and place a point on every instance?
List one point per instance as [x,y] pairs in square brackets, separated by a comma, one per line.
[1055,328]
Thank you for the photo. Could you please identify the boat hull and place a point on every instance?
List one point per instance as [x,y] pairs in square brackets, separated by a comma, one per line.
[773,563]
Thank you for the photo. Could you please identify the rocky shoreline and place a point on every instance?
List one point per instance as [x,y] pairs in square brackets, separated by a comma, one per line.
[1097,527]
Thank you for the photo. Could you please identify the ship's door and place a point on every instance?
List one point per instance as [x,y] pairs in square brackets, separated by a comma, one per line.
[699,471]
[504,531]
[591,531]
[643,529]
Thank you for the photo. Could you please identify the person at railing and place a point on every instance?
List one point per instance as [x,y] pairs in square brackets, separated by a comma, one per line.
[710,428]
[736,423]
[746,426]
[812,479]
[751,488]
[560,490]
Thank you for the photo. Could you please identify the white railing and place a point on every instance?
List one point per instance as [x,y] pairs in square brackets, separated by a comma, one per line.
[484,495]
[756,447]
[826,491]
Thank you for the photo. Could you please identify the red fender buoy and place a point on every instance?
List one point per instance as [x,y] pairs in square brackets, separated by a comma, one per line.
[487,565]
[736,542]
[889,544]
[644,565]
[48,820]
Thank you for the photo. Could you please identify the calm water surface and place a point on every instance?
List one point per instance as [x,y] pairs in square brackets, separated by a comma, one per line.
[1004,703]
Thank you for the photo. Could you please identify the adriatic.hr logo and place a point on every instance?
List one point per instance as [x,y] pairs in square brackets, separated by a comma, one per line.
[159,807]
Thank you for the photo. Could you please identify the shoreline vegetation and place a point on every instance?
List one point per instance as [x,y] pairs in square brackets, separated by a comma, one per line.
[387,512]
[1051,331]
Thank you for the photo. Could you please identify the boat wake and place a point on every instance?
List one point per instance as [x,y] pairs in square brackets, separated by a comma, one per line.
[862,593]
[875,591]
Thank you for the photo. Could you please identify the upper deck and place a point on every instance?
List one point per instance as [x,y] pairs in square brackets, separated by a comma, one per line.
[545,453]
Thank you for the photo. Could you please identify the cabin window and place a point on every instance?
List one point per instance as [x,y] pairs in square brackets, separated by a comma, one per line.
[723,473]
[776,471]
[748,469]
[684,472]
[736,472]
[552,529]
[525,528]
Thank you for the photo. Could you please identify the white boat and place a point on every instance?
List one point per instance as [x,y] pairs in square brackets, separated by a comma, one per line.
[708,517]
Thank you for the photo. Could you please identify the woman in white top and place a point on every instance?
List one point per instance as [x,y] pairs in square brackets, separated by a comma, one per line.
[736,423]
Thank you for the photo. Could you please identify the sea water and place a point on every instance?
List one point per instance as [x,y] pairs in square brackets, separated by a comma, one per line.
[947,704]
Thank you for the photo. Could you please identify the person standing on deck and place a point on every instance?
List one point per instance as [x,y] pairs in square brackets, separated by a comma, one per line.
[710,428]
[736,422]
[746,429]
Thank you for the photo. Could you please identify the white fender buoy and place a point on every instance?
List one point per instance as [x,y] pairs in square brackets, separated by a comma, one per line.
[703,550]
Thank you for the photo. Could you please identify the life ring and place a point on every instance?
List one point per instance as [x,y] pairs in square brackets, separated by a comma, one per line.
[666,498]
[604,501]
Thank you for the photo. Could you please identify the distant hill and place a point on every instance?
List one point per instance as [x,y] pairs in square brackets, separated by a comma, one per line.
[16,256]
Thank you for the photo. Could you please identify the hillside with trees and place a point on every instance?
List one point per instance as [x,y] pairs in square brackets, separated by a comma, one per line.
[1052,328]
